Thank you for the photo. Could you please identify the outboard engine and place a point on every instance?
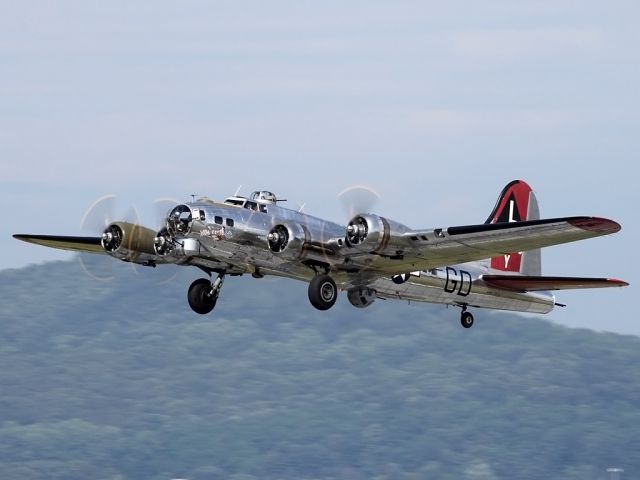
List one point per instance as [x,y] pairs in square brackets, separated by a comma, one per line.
[128,242]
[374,234]
[367,232]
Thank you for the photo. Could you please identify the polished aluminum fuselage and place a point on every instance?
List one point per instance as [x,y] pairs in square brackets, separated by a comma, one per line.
[233,239]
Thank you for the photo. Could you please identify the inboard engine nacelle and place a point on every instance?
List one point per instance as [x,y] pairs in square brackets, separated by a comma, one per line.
[288,238]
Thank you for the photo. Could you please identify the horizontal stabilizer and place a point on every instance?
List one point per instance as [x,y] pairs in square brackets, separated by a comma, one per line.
[525,283]
[77,244]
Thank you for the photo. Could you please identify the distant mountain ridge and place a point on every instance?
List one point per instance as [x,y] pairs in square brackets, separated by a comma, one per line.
[120,380]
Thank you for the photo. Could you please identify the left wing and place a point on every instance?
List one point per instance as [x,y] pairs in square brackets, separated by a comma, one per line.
[406,251]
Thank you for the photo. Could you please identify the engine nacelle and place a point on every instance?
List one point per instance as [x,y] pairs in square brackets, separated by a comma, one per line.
[288,239]
[129,242]
[361,297]
[374,234]
[367,232]
[163,243]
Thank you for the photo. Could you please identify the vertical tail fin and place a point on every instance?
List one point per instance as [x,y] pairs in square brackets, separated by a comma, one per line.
[517,203]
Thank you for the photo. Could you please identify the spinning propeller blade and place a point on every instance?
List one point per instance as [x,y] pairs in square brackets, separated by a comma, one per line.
[358,199]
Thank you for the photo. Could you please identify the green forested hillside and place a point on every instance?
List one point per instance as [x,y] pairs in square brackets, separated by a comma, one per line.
[119,380]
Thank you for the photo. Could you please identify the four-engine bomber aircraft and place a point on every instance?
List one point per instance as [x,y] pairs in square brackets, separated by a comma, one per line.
[496,264]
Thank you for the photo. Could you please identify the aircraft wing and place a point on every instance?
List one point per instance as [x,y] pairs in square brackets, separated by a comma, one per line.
[526,283]
[77,244]
[426,249]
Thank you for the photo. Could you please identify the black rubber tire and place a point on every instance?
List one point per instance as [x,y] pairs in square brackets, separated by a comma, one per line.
[323,292]
[198,296]
[466,319]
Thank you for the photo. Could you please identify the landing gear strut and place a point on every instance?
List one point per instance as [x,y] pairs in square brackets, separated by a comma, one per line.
[323,292]
[203,295]
[466,318]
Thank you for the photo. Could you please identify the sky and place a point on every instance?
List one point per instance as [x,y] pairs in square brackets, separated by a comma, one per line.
[435,105]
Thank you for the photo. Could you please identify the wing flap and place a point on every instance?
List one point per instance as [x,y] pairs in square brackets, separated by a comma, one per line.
[63,242]
[525,283]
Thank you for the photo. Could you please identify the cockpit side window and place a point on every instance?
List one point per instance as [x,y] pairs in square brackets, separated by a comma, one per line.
[234,201]
[251,206]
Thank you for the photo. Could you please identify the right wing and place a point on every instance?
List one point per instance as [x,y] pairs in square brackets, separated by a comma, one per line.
[136,248]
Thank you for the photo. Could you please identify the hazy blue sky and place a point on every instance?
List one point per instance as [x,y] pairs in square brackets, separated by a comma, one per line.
[436,105]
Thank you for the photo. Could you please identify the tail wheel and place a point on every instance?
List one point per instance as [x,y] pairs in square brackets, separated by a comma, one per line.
[201,297]
[323,292]
[466,319]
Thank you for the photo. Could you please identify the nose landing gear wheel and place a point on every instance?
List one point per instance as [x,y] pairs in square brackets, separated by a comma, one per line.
[201,297]
[466,319]
[323,292]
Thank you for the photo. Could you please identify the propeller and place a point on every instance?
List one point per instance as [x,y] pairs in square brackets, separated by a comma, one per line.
[358,199]
[95,219]
[161,207]
[98,216]
[353,200]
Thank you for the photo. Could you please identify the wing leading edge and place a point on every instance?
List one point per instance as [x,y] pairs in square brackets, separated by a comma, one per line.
[526,283]
[76,244]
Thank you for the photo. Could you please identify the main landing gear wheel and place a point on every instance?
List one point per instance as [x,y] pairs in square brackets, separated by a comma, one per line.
[466,319]
[323,292]
[202,297]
